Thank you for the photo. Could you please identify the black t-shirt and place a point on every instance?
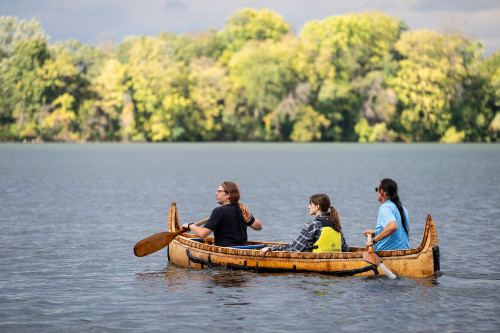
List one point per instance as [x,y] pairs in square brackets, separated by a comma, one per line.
[228,226]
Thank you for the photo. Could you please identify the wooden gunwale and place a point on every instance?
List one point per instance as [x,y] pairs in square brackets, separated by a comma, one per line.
[355,252]
[276,260]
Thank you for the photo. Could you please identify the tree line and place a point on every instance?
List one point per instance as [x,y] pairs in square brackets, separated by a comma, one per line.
[358,77]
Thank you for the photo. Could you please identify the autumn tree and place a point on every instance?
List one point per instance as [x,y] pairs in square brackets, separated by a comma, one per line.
[436,73]
[347,60]
[208,89]
[249,24]
[158,85]
[14,31]
[261,75]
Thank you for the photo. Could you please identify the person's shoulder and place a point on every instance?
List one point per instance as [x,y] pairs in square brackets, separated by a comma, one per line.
[388,205]
[384,206]
[218,210]
[312,224]
[224,208]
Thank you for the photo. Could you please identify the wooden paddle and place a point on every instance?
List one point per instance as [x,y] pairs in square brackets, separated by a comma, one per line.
[370,257]
[158,241]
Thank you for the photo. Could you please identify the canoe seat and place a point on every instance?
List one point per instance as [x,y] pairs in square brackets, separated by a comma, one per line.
[197,239]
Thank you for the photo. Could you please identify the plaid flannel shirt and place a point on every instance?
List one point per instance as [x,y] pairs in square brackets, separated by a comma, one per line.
[306,239]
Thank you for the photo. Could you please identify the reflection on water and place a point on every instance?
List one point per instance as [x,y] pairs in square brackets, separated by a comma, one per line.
[225,280]
[174,275]
[329,288]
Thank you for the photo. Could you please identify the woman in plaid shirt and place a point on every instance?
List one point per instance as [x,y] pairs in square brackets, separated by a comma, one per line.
[319,205]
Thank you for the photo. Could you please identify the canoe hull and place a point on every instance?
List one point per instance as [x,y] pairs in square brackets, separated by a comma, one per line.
[188,251]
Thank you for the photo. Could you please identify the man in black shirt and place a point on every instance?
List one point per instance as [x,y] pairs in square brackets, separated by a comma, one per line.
[228,222]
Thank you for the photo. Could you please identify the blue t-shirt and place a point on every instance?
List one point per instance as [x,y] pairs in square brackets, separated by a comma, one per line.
[387,213]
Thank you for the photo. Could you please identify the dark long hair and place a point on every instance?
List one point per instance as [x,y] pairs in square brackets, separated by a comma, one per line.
[391,189]
[324,204]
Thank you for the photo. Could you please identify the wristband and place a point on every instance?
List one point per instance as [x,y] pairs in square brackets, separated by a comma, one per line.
[189,226]
[374,241]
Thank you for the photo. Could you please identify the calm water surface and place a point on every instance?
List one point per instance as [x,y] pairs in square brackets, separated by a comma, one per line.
[71,214]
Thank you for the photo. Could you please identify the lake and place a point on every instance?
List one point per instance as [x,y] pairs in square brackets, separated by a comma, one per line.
[72,213]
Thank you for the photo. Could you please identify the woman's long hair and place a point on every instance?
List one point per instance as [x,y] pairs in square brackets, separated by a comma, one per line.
[323,201]
[391,189]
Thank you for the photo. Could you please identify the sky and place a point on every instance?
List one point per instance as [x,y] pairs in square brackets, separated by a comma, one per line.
[98,21]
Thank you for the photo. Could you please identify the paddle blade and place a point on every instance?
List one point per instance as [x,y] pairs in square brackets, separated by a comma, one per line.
[371,257]
[387,271]
[153,243]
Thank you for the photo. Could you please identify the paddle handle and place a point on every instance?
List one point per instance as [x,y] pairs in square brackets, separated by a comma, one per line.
[370,248]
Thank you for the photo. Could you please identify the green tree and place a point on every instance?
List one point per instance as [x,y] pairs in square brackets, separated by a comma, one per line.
[111,90]
[261,75]
[22,89]
[158,84]
[73,69]
[309,124]
[208,90]
[191,46]
[249,24]
[490,71]
[430,82]
[87,58]
[14,31]
[347,61]
[58,124]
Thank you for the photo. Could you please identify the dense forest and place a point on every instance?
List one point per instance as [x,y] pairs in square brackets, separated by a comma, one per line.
[359,77]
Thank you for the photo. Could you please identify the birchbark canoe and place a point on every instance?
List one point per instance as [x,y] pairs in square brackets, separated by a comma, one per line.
[187,250]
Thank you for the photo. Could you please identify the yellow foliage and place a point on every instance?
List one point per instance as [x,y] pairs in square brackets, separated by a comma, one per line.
[54,71]
[127,120]
[110,87]
[495,123]
[308,125]
[29,131]
[251,25]
[60,120]
[452,136]
[375,133]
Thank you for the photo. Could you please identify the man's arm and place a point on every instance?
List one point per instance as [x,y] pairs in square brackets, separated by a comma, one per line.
[198,231]
[389,229]
[256,225]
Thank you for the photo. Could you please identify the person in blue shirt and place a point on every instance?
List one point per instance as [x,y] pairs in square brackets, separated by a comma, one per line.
[393,225]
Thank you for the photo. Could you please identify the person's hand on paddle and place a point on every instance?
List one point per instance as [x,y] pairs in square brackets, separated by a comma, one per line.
[263,251]
[369,243]
[369,232]
[196,229]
